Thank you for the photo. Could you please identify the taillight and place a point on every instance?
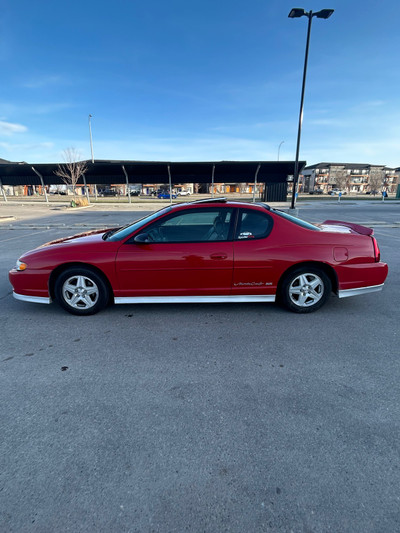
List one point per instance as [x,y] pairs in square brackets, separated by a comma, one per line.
[376,250]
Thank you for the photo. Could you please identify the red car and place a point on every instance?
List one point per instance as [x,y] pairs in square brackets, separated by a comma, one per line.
[205,251]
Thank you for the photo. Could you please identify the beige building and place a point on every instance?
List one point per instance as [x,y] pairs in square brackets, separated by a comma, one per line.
[350,177]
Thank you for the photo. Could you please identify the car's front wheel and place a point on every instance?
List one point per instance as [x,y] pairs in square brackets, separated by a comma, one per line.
[81,291]
[305,289]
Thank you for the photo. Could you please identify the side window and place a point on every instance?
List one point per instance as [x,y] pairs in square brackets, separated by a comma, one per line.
[253,225]
[196,225]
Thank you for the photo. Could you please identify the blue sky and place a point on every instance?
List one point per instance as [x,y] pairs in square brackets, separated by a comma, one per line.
[199,80]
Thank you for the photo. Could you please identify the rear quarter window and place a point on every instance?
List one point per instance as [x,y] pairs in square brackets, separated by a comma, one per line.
[253,224]
[297,221]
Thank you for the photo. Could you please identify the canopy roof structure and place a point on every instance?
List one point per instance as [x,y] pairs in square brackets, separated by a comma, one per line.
[114,172]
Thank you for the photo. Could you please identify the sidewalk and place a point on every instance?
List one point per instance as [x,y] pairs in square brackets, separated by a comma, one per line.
[146,205]
[35,215]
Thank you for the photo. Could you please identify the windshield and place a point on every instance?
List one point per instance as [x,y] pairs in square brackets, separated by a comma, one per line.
[125,231]
[297,221]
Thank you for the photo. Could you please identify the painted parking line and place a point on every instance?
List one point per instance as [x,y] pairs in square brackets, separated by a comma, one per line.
[392,235]
[23,236]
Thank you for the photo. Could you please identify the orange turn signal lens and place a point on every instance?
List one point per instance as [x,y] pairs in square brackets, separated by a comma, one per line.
[21,266]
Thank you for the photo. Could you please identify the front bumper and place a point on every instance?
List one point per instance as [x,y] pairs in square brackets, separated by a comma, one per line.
[30,286]
[33,299]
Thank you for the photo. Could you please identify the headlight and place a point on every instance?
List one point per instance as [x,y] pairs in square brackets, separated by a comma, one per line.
[21,266]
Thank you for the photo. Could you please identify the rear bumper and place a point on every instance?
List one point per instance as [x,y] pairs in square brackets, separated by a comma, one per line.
[355,279]
[361,290]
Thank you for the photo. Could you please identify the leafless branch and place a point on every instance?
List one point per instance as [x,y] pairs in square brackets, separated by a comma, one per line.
[72,169]
[376,179]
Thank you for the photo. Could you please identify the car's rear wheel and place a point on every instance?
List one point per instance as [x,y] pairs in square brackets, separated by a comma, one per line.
[305,289]
[81,291]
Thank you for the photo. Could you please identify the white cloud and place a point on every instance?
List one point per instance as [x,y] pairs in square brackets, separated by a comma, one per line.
[326,122]
[372,103]
[382,152]
[21,150]
[8,128]
[216,148]
[48,108]
[32,108]
[43,81]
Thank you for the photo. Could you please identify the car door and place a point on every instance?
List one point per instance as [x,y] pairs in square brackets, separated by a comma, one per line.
[253,265]
[186,253]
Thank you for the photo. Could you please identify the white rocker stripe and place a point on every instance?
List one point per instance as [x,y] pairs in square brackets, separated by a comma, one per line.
[33,299]
[194,299]
[361,290]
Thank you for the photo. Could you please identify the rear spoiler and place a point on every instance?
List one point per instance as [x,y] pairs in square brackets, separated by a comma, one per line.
[363,230]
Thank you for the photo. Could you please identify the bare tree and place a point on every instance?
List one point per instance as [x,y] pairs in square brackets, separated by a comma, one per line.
[341,178]
[376,179]
[72,169]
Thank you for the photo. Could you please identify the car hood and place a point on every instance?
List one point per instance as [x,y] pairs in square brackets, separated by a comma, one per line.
[79,239]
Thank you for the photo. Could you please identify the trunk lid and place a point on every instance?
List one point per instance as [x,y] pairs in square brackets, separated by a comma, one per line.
[339,226]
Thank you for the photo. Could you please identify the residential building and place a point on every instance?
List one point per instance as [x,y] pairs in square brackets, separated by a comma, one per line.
[356,178]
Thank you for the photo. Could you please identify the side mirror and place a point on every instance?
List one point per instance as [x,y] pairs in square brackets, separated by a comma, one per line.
[142,238]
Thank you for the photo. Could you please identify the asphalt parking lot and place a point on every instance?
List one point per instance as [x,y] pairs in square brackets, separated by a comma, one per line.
[203,418]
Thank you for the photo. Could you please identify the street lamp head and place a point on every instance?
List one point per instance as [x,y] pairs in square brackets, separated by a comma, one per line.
[324,13]
[297,12]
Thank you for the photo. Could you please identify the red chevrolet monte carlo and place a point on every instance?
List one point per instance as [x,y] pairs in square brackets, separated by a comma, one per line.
[205,251]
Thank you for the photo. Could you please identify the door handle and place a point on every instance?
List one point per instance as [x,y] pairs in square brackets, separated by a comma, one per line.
[218,256]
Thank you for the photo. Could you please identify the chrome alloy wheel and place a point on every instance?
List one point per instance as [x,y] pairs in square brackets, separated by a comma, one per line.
[80,292]
[306,290]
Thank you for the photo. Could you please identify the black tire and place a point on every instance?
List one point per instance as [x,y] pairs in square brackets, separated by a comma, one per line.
[305,289]
[81,291]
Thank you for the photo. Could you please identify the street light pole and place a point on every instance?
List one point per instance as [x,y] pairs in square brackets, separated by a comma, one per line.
[296,13]
[91,140]
[279,148]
